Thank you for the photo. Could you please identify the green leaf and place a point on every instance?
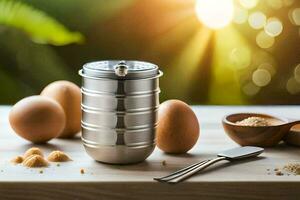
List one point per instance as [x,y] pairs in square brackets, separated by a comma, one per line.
[40,27]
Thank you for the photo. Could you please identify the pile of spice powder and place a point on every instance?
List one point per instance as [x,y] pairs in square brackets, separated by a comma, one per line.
[58,156]
[35,161]
[253,121]
[293,168]
[34,157]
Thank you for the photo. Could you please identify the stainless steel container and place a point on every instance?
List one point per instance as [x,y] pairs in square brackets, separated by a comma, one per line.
[119,110]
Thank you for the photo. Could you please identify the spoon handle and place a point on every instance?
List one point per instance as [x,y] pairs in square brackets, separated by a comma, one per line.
[199,168]
[293,122]
[180,172]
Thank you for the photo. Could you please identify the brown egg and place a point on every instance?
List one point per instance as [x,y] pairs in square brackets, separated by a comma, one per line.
[37,119]
[178,127]
[68,95]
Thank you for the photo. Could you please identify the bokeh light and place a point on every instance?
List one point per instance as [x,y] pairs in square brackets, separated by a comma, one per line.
[215,14]
[295,16]
[264,41]
[273,27]
[297,73]
[240,15]
[250,89]
[269,67]
[261,56]
[288,2]
[275,4]
[261,77]
[292,86]
[257,20]
[240,57]
[248,3]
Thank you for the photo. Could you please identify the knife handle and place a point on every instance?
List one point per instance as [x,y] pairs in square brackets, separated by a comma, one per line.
[192,172]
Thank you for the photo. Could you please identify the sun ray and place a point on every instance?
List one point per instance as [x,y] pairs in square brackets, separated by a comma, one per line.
[225,87]
[171,40]
[193,52]
[186,63]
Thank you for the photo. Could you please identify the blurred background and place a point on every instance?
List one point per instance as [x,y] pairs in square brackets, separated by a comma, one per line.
[211,51]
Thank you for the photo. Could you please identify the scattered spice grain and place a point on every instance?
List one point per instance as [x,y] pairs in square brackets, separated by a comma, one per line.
[82,171]
[279,173]
[164,163]
[17,160]
[293,168]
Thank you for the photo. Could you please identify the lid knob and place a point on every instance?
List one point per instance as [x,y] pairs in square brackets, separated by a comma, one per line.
[121,69]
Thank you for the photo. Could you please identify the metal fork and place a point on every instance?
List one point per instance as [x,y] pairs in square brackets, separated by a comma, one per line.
[229,155]
[181,172]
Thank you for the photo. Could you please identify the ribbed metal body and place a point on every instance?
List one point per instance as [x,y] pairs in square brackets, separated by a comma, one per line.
[120,101]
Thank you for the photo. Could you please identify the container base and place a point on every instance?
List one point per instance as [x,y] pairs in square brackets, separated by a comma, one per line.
[120,154]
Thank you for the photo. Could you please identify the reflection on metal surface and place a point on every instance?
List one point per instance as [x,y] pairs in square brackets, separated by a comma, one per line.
[119,113]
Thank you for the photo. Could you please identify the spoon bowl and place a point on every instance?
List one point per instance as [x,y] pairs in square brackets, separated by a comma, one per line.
[293,137]
[263,136]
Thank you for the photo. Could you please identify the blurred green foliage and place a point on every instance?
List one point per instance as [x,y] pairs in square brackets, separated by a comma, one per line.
[26,66]
[38,25]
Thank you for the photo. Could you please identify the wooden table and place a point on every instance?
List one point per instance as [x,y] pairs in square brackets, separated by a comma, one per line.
[240,180]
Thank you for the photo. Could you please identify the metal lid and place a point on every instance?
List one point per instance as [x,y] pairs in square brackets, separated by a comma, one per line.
[120,69]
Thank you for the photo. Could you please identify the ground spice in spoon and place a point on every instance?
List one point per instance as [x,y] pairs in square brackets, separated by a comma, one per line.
[253,121]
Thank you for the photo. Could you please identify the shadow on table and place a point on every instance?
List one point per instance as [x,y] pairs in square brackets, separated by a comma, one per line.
[167,163]
[167,168]
[283,147]
[187,155]
[48,146]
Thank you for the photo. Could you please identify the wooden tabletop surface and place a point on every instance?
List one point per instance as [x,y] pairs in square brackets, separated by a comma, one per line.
[248,179]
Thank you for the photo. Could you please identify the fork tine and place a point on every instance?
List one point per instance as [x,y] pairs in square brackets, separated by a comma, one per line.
[180,172]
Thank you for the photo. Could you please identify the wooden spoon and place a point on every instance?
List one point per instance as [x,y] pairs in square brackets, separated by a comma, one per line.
[263,136]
